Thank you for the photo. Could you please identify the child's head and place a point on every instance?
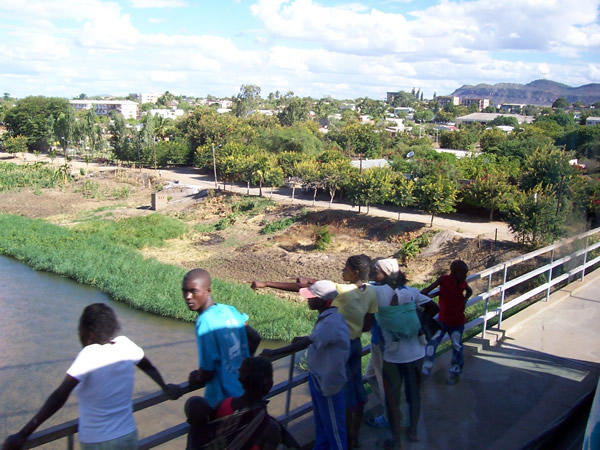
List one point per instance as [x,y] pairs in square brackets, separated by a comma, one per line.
[98,324]
[196,290]
[387,271]
[256,376]
[357,268]
[459,270]
[320,294]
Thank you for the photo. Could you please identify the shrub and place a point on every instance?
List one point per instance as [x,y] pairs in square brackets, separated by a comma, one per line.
[322,237]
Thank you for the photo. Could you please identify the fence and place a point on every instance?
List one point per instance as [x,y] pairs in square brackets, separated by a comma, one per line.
[562,261]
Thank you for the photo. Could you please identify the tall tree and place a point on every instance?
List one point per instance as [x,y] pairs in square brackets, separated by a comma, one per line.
[247,100]
[435,194]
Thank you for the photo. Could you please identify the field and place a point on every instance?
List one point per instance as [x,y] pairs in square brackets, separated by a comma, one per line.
[240,238]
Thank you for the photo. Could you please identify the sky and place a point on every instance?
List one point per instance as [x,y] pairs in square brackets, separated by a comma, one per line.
[342,49]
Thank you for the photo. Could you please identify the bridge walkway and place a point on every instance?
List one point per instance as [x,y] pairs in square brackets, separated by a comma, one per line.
[516,381]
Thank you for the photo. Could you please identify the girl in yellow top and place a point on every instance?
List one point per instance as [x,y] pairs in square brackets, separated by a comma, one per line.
[357,302]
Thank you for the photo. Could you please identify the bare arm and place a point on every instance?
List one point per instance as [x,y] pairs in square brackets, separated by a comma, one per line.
[199,378]
[431,287]
[293,287]
[172,390]
[56,400]
[468,293]
[298,343]
[253,339]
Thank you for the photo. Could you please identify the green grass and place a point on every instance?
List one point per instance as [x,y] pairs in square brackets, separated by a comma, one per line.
[278,225]
[137,232]
[142,283]
[14,177]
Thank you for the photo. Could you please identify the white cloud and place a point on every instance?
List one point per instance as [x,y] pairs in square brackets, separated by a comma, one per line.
[158,3]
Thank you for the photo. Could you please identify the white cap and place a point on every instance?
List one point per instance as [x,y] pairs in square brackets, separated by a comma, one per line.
[323,289]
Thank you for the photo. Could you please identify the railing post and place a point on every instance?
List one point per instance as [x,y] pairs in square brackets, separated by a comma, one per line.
[584,258]
[550,276]
[502,296]
[487,301]
[288,395]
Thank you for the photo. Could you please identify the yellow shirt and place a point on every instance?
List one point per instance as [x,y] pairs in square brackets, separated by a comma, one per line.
[354,303]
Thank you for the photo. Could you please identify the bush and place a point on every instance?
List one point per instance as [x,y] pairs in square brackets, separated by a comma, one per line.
[322,237]
[278,225]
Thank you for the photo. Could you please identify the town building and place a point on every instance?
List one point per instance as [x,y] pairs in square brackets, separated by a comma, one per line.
[127,108]
[445,100]
[485,118]
[167,113]
[481,103]
[512,107]
[592,120]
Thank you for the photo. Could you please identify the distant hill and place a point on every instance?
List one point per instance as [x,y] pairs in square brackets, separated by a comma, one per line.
[538,92]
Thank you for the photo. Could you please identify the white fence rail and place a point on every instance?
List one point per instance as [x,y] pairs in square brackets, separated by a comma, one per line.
[573,260]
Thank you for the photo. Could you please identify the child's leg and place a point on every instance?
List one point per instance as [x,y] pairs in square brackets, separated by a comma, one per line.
[329,418]
[430,349]
[392,385]
[374,375]
[457,349]
[411,372]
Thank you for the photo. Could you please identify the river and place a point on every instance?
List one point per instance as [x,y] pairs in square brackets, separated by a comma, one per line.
[39,313]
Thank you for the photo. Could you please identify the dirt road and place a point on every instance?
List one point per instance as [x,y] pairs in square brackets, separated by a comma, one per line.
[461,224]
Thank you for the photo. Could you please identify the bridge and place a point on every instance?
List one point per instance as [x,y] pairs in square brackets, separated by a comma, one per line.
[530,373]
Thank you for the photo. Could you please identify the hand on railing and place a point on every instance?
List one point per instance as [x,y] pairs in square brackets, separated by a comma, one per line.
[14,442]
[173,391]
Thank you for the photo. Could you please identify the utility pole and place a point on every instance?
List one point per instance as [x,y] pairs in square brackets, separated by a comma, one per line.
[214,165]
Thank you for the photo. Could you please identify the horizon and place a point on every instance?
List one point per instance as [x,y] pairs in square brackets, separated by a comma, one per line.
[342,49]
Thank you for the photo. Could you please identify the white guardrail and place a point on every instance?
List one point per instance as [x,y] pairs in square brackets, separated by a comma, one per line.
[562,262]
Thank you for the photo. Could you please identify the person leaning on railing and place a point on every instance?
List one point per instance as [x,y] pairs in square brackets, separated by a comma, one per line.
[103,375]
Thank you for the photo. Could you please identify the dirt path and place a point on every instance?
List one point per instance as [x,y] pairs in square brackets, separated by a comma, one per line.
[461,224]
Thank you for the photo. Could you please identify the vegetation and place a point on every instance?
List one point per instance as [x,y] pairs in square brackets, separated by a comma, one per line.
[15,177]
[287,147]
[145,284]
[322,237]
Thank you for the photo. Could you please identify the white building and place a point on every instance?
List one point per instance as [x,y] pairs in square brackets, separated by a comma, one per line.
[167,113]
[104,107]
[484,118]
[592,120]
[147,98]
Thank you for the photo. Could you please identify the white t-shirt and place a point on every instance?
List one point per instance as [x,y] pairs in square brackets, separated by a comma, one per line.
[403,350]
[105,375]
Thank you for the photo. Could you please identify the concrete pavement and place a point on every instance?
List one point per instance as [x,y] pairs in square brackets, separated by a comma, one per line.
[516,381]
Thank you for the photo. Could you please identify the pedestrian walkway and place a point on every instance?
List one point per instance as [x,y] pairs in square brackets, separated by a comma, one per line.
[516,381]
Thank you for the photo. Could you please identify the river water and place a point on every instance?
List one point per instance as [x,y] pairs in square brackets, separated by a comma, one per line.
[39,313]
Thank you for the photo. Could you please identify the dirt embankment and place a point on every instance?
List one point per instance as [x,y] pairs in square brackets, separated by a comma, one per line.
[239,252]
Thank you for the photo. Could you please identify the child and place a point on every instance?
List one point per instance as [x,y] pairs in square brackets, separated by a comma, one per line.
[328,352]
[222,336]
[255,429]
[453,293]
[357,302]
[103,375]
[384,273]
[403,354]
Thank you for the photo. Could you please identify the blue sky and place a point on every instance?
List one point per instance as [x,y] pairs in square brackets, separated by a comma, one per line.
[344,49]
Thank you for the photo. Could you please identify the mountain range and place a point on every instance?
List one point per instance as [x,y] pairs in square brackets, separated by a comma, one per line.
[538,92]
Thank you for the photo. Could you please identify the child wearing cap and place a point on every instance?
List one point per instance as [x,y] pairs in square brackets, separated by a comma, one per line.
[328,352]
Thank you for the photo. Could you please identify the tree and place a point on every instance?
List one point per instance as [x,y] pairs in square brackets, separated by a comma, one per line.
[493,191]
[166,99]
[371,186]
[247,100]
[423,115]
[356,138]
[492,138]
[534,221]
[309,172]
[561,103]
[505,120]
[335,175]
[402,195]
[376,109]
[64,127]
[34,118]
[435,194]
[15,144]
[295,111]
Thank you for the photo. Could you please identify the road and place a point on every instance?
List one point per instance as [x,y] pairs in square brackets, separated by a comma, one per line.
[463,225]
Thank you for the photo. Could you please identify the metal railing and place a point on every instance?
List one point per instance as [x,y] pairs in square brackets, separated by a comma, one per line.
[555,270]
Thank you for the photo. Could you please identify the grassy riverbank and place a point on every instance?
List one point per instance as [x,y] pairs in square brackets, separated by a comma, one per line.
[145,284]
